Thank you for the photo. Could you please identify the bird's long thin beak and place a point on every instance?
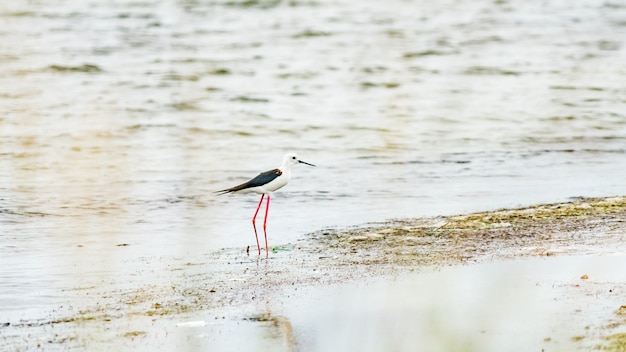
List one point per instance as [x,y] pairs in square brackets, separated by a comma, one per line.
[304,162]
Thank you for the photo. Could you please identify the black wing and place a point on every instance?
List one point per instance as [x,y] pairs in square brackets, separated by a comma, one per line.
[260,180]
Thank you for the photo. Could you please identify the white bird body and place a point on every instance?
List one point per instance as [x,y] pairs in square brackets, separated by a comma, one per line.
[274,185]
[269,181]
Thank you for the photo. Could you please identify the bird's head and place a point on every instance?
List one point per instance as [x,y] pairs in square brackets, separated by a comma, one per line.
[292,159]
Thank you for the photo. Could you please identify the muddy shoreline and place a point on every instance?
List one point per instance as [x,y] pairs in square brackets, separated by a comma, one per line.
[222,285]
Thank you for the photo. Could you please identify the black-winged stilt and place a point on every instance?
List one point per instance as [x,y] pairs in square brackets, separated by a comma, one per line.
[264,184]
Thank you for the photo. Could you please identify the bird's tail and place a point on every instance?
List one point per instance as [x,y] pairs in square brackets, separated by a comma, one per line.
[224,191]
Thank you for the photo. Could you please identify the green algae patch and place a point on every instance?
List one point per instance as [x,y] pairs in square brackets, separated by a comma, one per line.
[311,34]
[85,68]
[615,343]
[133,334]
[538,230]
[583,208]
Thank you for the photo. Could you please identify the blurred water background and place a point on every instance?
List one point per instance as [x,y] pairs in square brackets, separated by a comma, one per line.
[118,119]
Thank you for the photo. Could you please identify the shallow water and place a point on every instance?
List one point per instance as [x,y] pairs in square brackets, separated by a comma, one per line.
[531,304]
[119,119]
[513,305]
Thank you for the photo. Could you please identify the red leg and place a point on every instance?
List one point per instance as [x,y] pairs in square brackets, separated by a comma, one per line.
[267,208]
[254,222]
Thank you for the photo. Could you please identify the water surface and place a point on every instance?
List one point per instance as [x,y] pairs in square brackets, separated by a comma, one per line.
[119,119]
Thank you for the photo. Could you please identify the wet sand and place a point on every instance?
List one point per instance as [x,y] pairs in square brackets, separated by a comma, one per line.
[229,300]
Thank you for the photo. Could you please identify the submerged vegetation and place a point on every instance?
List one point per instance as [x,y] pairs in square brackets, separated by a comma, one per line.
[538,230]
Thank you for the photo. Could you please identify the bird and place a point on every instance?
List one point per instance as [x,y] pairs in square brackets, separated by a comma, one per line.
[264,184]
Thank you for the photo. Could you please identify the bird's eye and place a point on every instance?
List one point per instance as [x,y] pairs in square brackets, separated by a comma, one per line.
[293,157]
